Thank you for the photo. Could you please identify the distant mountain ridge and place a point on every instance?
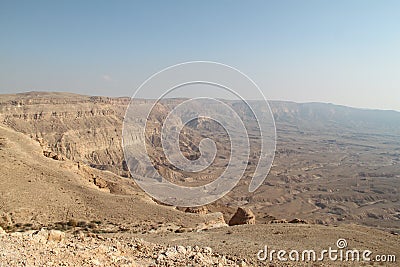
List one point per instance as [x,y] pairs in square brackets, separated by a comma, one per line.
[306,116]
[328,115]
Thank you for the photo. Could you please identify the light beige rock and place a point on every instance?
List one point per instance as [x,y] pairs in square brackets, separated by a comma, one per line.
[207,251]
[56,236]
[242,264]
[41,236]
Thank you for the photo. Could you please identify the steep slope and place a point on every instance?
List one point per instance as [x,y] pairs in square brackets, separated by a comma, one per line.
[82,128]
[36,190]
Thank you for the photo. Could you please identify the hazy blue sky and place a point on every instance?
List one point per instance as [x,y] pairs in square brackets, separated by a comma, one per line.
[344,52]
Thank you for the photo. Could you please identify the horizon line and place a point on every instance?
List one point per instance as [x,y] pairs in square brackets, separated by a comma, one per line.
[269,100]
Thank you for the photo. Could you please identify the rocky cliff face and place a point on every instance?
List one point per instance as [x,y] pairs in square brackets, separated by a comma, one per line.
[82,128]
[88,129]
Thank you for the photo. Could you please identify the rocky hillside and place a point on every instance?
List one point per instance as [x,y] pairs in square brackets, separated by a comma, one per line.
[81,128]
[37,191]
[88,128]
[333,164]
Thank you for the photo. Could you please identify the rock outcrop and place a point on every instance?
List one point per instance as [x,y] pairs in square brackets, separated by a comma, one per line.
[243,216]
[80,128]
[49,236]
[297,220]
[197,210]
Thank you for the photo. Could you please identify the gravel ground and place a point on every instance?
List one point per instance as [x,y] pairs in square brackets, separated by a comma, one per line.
[55,248]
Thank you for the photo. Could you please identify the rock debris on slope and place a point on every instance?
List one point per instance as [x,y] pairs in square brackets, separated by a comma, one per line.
[55,248]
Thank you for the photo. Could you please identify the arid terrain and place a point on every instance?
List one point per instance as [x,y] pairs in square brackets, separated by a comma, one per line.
[335,175]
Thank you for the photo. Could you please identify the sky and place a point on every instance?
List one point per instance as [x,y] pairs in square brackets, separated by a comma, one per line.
[345,52]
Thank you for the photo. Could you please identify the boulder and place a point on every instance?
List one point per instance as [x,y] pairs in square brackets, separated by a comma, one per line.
[214,220]
[46,236]
[243,216]
[56,236]
[41,236]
